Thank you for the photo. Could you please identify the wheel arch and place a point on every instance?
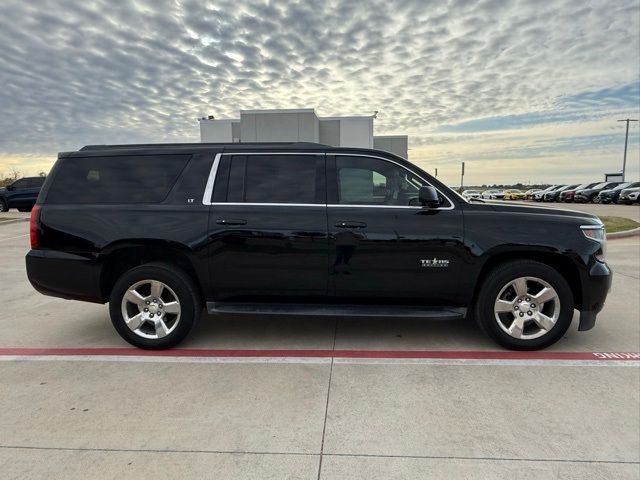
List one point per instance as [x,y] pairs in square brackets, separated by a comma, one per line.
[125,255]
[559,262]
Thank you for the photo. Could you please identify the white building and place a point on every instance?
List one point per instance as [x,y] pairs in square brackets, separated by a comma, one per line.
[300,125]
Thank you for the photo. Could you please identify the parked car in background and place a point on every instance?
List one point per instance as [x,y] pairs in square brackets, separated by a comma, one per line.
[468,194]
[538,197]
[588,194]
[493,194]
[21,194]
[554,195]
[567,195]
[531,192]
[629,196]
[612,195]
[514,194]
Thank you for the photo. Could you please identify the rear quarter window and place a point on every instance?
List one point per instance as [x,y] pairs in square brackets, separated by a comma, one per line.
[116,179]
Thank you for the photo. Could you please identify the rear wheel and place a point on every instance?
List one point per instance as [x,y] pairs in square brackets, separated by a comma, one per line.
[3,206]
[154,306]
[524,305]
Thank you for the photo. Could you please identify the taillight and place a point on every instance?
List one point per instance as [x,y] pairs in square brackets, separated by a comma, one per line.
[34,226]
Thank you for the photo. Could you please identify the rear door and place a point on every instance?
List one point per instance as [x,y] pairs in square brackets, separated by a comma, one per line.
[383,245]
[34,185]
[268,227]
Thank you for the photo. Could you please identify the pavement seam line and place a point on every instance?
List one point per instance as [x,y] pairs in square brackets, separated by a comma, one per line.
[310,454]
[326,407]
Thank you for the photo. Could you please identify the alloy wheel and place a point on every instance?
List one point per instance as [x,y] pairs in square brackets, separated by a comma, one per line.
[527,308]
[151,309]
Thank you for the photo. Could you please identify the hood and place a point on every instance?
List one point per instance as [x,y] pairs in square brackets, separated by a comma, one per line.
[633,189]
[607,192]
[531,210]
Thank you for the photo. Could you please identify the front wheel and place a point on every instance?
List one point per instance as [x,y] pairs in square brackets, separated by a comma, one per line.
[524,305]
[154,306]
[3,206]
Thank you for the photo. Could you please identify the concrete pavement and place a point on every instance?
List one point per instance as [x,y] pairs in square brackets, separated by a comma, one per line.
[92,417]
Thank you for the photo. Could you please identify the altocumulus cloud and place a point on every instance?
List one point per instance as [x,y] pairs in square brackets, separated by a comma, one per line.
[506,84]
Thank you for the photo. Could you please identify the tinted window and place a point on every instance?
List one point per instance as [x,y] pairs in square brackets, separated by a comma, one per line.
[134,179]
[236,179]
[22,183]
[370,181]
[35,182]
[274,178]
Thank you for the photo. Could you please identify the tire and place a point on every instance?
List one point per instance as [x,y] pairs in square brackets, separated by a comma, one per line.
[3,206]
[555,313]
[167,328]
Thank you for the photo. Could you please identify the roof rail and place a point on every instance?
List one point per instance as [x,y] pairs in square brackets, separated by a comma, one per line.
[173,145]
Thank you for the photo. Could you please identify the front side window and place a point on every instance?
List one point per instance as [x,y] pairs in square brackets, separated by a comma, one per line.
[273,179]
[22,183]
[371,181]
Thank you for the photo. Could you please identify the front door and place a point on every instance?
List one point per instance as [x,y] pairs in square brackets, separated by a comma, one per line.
[19,194]
[385,247]
[268,228]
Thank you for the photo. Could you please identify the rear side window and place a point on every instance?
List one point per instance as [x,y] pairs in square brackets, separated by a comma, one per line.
[116,179]
[272,179]
[36,182]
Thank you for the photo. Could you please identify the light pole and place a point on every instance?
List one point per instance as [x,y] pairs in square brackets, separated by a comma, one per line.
[626,139]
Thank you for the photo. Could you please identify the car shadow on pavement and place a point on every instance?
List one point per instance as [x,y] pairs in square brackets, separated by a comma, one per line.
[351,333]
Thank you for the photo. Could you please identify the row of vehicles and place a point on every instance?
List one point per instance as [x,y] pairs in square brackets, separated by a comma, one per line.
[594,192]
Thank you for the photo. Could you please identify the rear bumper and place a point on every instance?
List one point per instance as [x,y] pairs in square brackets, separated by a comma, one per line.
[594,293]
[64,275]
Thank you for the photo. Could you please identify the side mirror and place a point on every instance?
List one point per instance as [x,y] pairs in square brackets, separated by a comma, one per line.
[428,196]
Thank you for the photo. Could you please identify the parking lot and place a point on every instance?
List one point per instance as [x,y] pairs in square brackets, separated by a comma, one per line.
[307,398]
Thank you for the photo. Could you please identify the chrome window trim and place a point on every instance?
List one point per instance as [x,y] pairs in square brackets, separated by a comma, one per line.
[238,204]
[208,191]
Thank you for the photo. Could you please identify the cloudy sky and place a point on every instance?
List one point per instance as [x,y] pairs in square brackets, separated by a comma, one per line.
[521,90]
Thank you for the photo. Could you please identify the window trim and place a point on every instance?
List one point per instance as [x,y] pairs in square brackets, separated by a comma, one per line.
[208,191]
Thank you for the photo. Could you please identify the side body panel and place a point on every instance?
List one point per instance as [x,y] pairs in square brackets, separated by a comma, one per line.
[91,234]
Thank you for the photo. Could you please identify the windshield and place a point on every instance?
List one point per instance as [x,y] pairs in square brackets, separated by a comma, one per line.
[601,185]
[623,185]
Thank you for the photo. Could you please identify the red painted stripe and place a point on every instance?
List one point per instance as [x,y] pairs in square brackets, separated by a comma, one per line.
[429,354]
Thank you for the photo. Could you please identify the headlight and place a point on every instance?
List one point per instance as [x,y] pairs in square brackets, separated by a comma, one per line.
[596,233]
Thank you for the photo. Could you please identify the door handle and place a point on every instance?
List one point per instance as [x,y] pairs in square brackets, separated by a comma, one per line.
[231,221]
[350,224]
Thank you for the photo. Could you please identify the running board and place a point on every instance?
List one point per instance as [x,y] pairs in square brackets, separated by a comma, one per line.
[447,313]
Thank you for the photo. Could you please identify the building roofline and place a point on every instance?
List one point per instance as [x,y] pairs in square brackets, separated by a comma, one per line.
[279,110]
[391,136]
[348,117]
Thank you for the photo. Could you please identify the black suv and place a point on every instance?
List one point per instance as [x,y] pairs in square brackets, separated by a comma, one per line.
[163,231]
[21,194]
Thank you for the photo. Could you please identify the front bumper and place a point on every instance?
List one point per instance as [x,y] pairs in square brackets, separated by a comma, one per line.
[581,199]
[629,197]
[595,288]
[65,275]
